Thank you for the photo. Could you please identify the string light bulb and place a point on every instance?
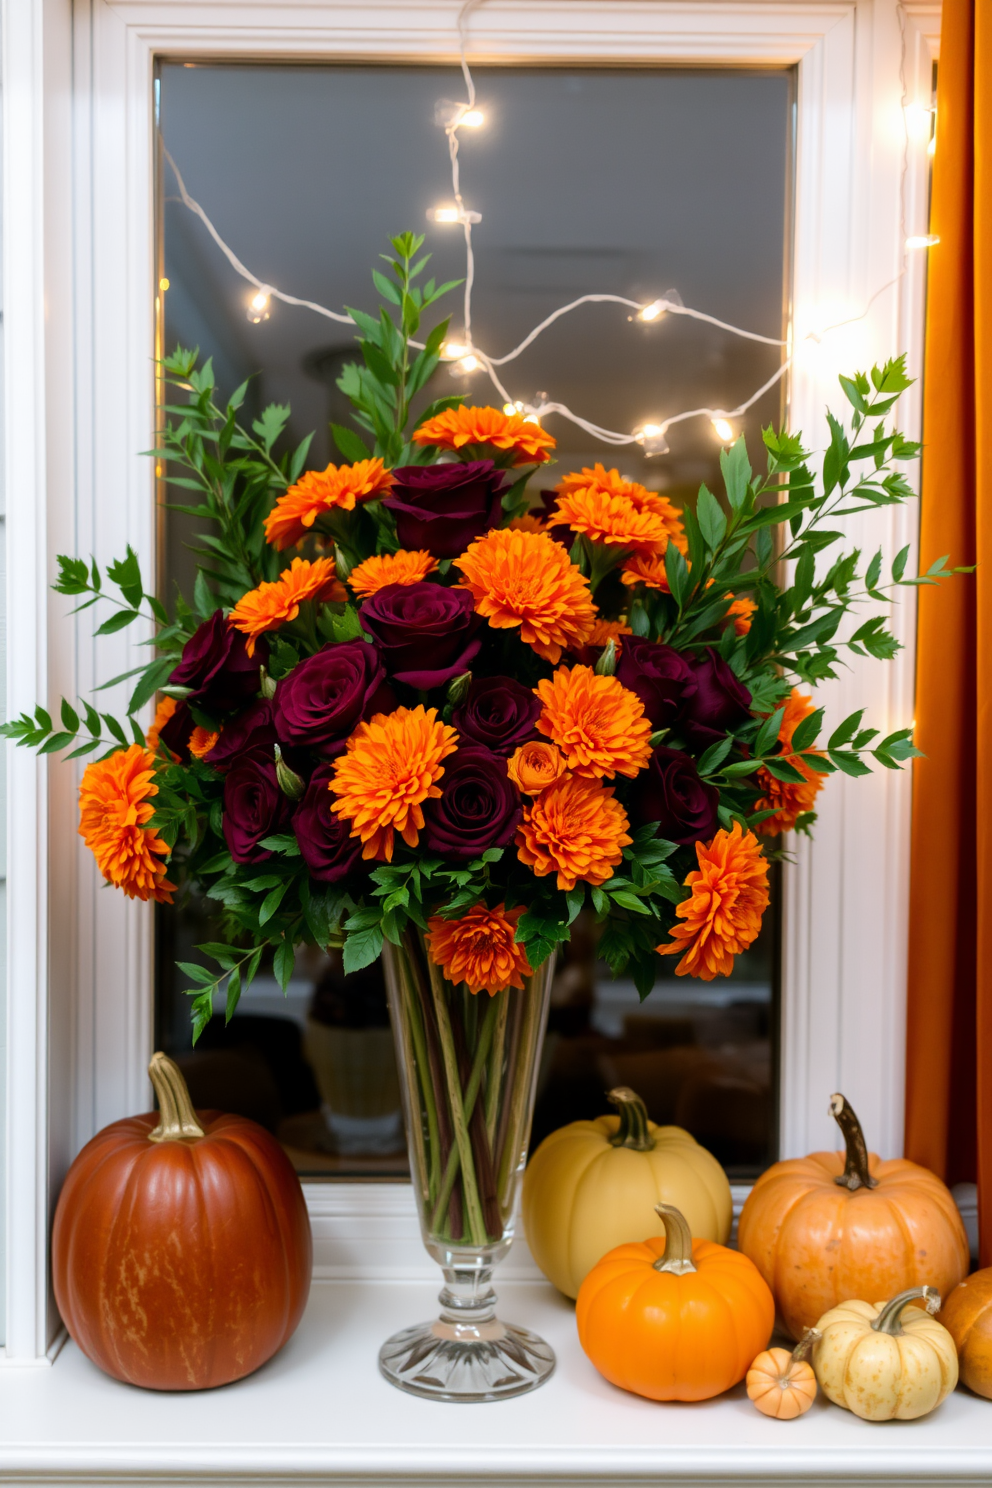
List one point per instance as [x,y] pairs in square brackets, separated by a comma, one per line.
[163,285]
[453,351]
[723,428]
[448,213]
[465,365]
[473,118]
[258,307]
[922,240]
[654,311]
[918,120]
[651,438]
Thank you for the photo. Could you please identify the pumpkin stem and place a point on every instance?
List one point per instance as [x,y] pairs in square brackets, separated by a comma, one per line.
[889,1320]
[804,1347]
[855,1174]
[177,1117]
[677,1255]
[633,1129]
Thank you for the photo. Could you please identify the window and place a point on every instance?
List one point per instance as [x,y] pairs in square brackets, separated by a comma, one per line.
[619,181]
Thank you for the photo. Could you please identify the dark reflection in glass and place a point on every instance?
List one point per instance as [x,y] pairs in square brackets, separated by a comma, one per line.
[589,180]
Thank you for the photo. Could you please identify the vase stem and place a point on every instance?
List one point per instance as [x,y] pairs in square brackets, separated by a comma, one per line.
[471,1095]
[476,1224]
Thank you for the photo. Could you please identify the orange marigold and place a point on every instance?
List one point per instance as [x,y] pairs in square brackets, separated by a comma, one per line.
[391,766]
[201,741]
[535,766]
[320,491]
[740,612]
[723,912]
[602,633]
[612,483]
[527,522]
[390,568]
[527,579]
[275,604]
[163,712]
[456,428]
[115,806]
[603,518]
[789,799]
[647,569]
[597,723]
[576,829]
[480,949]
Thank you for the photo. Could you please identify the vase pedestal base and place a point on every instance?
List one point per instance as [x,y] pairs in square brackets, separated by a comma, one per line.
[466,1362]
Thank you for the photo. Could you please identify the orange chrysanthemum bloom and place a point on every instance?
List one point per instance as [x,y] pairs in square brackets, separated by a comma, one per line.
[201,741]
[576,829]
[602,633]
[390,568]
[275,604]
[457,427]
[527,579]
[163,712]
[647,569]
[480,949]
[114,809]
[391,766]
[612,483]
[527,522]
[535,766]
[790,799]
[320,491]
[723,912]
[604,518]
[740,612]
[597,723]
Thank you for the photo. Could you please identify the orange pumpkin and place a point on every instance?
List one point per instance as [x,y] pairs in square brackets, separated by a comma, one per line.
[181,1251]
[967,1316]
[671,1318]
[835,1225]
[783,1385]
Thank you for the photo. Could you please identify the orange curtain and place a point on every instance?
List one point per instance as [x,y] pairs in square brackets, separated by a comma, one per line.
[949,1048]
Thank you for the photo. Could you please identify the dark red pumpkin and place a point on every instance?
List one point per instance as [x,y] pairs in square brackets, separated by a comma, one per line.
[181,1249]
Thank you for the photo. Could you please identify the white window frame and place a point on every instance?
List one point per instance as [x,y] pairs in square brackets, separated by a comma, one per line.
[78,407]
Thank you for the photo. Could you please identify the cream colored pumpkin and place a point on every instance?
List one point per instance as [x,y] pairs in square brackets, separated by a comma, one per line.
[886,1361]
[593,1185]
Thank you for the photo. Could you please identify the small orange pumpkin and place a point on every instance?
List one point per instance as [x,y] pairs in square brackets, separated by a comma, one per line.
[783,1385]
[967,1316]
[671,1318]
[835,1225]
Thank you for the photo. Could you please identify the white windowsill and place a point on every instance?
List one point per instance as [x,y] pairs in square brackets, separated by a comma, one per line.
[320,1412]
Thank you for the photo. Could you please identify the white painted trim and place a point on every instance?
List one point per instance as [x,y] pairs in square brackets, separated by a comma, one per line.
[79,189]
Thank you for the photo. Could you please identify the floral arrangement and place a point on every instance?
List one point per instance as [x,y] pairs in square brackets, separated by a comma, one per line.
[403,694]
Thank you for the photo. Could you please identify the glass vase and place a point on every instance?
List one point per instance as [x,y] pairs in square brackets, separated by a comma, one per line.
[468,1073]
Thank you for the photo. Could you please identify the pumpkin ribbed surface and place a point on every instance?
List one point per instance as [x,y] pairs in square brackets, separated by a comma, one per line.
[967,1315]
[180,1265]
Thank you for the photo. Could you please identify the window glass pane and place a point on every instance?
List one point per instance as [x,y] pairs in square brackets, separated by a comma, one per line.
[624,182]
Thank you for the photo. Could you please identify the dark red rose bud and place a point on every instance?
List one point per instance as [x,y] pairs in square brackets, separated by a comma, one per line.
[425,633]
[498,712]
[323,699]
[719,703]
[327,849]
[175,732]
[479,806]
[671,793]
[254,808]
[216,666]
[660,676]
[443,507]
[250,731]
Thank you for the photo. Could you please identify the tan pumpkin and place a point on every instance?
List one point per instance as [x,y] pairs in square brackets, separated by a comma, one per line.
[593,1185]
[835,1225]
[886,1361]
[967,1316]
[783,1385]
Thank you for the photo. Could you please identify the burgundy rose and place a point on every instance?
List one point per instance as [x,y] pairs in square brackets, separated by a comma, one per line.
[720,702]
[175,732]
[498,712]
[671,793]
[425,633]
[318,705]
[660,676]
[443,507]
[479,807]
[216,665]
[254,807]
[327,848]
[250,731]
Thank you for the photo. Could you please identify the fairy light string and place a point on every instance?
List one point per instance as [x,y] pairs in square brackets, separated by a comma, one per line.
[467,357]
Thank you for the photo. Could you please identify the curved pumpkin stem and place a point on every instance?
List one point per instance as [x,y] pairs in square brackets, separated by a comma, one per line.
[177,1119]
[633,1129]
[889,1320]
[677,1255]
[855,1174]
[804,1347]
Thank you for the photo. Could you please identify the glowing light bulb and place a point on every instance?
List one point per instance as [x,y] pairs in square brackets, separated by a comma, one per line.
[465,365]
[442,214]
[531,418]
[922,240]
[723,428]
[654,311]
[652,439]
[258,307]
[163,285]
[453,351]
[918,117]
[473,118]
